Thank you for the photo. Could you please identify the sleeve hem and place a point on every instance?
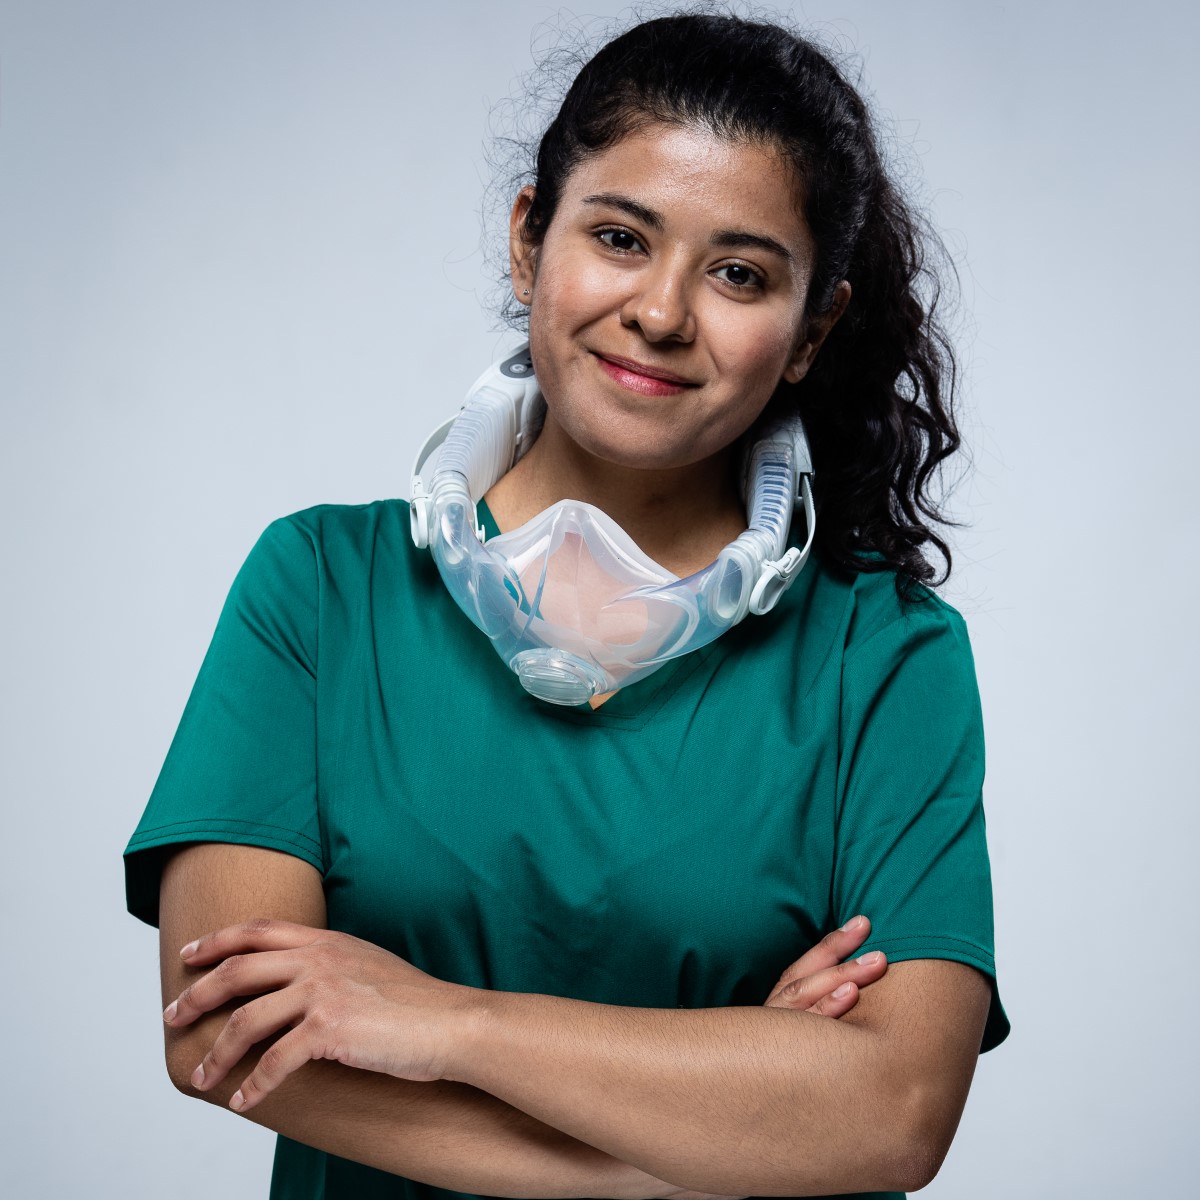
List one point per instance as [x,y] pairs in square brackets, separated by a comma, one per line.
[143,868]
[939,945]
[904,949]
[251,831]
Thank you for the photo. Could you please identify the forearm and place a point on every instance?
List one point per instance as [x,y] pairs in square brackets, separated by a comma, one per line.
[447,1134]
[738,1101]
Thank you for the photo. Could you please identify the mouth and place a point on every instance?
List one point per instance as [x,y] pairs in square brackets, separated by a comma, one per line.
[641,377]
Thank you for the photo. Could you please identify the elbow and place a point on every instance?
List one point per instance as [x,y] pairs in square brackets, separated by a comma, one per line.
[182,1057]
[186,1049]
[923,1141]
[180,1068]
[916,1167]
[910,1165]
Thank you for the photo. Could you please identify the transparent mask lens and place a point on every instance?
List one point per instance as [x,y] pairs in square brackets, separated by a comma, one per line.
[569,600]
[498,596]
[726,592]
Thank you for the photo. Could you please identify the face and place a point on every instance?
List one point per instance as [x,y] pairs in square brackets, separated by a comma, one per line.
[667,298]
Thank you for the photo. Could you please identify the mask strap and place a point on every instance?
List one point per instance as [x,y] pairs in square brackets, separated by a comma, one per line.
[508,390]
[422,500]
[777,575]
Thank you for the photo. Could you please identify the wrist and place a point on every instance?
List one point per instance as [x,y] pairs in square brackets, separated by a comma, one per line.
[466,1041]
[477,1019]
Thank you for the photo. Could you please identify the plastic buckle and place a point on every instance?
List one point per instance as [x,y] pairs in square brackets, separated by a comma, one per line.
[776,578]
[418,513]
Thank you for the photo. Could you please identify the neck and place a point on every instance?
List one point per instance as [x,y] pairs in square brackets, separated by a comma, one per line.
[681,516]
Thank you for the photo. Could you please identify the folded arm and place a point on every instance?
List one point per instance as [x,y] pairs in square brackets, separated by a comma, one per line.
[759,1101]
[558,1097]
[447,1134]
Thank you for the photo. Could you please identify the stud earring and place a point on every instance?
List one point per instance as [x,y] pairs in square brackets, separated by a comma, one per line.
[525,292]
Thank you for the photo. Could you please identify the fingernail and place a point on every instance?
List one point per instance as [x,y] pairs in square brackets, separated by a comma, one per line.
[838,993]
[198,1076]
[169,1011]
[190,948]
[853,923]
[236,1100]
[870,959]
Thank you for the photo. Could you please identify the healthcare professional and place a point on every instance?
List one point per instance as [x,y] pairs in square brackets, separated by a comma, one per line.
[608,821]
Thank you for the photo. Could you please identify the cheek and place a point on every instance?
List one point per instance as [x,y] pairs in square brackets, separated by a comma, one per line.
[757,350]
[575,289]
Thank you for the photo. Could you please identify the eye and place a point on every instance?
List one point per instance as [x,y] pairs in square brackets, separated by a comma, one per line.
[741,276]
[620,239]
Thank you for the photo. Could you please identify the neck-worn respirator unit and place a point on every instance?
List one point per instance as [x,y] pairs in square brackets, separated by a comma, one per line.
[569,600]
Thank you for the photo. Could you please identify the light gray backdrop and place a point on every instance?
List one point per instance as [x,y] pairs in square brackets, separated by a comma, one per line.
[239,277]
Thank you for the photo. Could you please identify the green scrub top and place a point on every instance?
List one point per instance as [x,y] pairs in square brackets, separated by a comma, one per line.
[677,847]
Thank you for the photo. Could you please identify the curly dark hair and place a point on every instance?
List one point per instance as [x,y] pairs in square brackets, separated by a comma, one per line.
[878,401]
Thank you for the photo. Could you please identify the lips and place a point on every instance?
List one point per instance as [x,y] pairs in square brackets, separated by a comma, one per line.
[642,379]
[632,366]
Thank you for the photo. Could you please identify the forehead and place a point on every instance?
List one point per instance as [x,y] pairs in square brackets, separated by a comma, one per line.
[694,177]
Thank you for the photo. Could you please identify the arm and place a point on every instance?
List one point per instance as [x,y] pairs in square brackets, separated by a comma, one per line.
[434,1131]
[754,1101]
[727,1101]
[444,1133]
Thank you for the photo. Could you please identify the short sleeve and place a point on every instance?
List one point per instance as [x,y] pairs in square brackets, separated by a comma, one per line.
[242,764]
[911,844]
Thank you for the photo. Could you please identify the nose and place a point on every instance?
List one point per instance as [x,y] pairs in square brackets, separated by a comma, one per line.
[660,305]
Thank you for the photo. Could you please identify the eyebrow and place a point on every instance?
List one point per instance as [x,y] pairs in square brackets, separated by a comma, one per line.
[733,238]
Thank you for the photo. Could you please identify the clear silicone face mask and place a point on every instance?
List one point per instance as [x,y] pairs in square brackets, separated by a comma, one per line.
[569,601]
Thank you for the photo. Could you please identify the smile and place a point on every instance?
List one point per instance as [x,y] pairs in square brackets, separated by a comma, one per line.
[646,381]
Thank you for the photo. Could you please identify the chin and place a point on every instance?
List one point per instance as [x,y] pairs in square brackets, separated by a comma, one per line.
[642,455]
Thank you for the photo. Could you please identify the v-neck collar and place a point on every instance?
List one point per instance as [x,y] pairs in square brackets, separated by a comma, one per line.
[636,703]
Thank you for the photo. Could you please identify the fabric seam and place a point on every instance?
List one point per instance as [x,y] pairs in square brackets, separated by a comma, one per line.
[291,836]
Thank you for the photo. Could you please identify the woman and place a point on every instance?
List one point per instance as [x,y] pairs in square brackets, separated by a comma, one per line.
[506,947]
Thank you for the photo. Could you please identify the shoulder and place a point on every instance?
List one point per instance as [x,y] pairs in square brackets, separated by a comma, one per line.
[304,557]
[341,567]
[343,540]
[879,616]
[842,634]
[877,641]
[330,526]
[853,611]
[908,672]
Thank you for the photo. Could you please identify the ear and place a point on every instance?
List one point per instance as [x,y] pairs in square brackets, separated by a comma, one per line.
[816,332]
[521,253]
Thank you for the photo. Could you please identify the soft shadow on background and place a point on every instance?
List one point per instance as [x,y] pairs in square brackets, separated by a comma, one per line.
[239,276]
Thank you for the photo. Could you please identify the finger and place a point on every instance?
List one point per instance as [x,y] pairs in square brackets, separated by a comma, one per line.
[238,975]
[278,1061]
[838,1003]
[246,1027]
[831,949]
[261,933]
[804,993]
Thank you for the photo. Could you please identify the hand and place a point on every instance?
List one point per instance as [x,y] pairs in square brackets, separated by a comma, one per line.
[338,996]
[813,982]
